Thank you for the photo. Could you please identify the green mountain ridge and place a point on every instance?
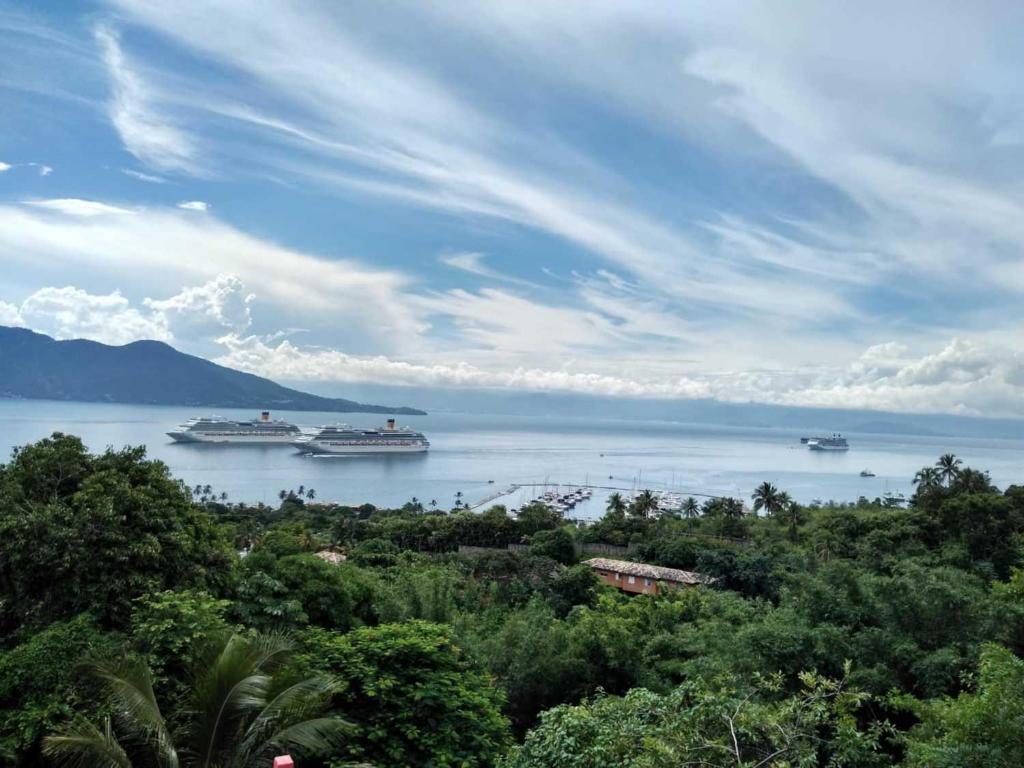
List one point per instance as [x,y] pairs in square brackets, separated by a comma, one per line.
[36,366]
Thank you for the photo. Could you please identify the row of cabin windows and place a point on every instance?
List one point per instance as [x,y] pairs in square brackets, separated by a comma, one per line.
[631,579]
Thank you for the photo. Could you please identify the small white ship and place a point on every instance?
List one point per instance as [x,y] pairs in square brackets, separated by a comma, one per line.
[835,442]
[216,429]
[342,439]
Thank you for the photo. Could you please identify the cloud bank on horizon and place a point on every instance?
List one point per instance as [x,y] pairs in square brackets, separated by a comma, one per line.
[804,204]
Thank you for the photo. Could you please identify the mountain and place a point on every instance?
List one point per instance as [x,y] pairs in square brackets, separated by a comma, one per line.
[36,366]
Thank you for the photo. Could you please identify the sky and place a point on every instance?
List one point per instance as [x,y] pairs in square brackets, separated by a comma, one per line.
[801,203]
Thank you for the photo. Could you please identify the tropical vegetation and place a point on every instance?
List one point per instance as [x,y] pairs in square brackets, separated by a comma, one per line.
[147,623]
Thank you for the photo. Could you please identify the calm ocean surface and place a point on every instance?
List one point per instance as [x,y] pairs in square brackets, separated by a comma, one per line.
[468,450]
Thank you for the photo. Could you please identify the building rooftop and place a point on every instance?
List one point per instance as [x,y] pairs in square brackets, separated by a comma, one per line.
[331,556]
[647,571]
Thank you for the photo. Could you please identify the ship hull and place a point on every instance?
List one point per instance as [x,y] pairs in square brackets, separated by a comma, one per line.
[191,437]
[324,448]
[829,449]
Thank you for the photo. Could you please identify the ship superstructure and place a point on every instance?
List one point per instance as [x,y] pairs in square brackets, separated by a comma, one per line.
[217,429]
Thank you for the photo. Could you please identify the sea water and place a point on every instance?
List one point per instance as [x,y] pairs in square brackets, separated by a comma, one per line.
[480,455]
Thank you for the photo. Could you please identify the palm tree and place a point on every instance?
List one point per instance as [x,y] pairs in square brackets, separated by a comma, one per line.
[198,490]
[207,490]
[223,495]
[311,493]
[458,499]
[301,491]
[949,467]
[616,506]
[767,497]
[645,504]
[433,503]
[237,716]
[282,494]
[927,478]
[789,513]
[691,508]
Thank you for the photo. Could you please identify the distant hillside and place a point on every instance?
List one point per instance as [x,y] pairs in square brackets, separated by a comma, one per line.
[36,366]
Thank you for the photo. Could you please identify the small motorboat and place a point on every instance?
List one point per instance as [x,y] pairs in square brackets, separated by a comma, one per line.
[866,473]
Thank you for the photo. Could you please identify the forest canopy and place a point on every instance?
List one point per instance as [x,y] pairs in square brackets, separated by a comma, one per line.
[865,634]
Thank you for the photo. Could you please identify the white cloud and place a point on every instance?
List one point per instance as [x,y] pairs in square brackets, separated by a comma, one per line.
[9,314]
[71,313]
[156,249]
[5,167]
[147,177]
[964,377]
[45,170]
[193,205]
[473,263]
[205,310]
[146,132]
[286,361]
[71,206]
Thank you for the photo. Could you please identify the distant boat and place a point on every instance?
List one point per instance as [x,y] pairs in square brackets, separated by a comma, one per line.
[866,473]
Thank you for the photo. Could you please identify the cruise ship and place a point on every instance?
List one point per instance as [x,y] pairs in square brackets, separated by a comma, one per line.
[343,439]
[216,429]
[834,443]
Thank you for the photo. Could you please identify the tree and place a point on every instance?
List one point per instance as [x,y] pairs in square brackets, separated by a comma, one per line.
[790,514]
[168,629]
[974,730]
[691,509]
[536,517]
[412,695]
[82,532]
[927,478]
[311,494]
[616,509]
[556,543]
[239,714]
[697,724]
[282,494]
[767,497]
[645,504]
[948,466]
[41,684]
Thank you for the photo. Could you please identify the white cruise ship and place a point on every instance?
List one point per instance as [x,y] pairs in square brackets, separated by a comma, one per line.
[834,443]
[216,429]
[343,439]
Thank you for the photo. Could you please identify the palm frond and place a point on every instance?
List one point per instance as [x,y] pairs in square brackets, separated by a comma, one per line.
[299,702]
[80,744]
[129,687]
[310,738]
[231,689]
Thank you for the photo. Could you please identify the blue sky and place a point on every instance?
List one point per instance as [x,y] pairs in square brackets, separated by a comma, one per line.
[800,203]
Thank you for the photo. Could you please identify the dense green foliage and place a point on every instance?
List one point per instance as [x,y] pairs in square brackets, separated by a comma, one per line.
[239,711]
[91,533]
[414,698]
[867,634]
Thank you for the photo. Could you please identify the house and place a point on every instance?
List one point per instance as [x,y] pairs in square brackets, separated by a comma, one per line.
[640,578]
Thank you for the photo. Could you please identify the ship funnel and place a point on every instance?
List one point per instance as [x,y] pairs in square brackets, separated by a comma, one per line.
[265,416]
[391,423]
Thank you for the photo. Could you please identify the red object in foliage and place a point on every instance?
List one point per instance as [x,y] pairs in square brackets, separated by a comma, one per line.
[284,761]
